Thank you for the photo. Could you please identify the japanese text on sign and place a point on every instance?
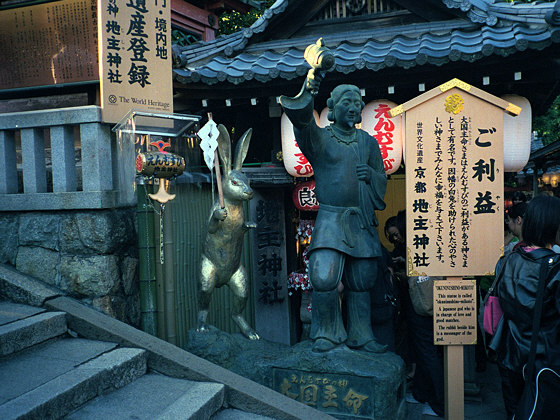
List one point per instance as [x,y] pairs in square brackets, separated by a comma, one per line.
[383,133]
[454,199]
[135,59]
[50,43]
[341,395]
[269,262]
[269,272]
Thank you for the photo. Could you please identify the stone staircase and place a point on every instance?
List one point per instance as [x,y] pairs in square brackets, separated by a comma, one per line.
[62,360]
[47,373]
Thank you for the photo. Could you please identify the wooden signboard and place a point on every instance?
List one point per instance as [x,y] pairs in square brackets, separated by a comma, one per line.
[48,44]
[455,312]
[454,181]
[135,57]
[272,306]
[454,209]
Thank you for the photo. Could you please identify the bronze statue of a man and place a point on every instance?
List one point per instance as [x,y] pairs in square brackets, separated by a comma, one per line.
[350,186]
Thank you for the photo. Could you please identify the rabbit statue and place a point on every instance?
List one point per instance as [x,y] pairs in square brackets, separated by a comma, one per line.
[221,254]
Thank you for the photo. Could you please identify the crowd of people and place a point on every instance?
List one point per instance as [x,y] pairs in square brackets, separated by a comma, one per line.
[532,235]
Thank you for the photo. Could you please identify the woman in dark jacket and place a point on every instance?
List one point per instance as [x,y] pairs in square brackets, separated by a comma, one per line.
[517,291]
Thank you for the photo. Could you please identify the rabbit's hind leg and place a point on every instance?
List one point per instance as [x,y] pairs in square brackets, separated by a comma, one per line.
[238,286]
[206,285]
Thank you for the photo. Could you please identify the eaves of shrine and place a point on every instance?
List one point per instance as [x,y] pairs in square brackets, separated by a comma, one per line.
[404,37]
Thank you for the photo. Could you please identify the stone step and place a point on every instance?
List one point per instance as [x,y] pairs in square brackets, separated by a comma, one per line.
[53,379]
[10,312]
[27,332]
[154,396]
[233,414]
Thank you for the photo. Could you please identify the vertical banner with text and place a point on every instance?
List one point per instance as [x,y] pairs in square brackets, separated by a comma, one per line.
[272,312]
[135,57]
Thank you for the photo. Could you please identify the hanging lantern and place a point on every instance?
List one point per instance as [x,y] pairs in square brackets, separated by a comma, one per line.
[554,179]
[387,131]
[546,178]
[517,135]
[304,196]
[294,161]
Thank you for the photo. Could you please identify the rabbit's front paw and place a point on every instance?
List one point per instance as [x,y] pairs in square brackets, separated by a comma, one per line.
[253,336]
[220,214]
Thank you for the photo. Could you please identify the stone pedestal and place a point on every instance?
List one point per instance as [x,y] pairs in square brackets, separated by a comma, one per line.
[344,383]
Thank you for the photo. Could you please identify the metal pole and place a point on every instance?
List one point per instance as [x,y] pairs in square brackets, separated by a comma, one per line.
[148,307]
[169,276]
[162,320]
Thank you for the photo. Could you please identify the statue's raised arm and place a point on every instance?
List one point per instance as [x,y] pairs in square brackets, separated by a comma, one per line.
[300,108]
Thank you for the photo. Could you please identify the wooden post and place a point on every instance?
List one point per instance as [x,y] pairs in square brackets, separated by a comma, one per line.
[453,371]
[218,173]
[219,179]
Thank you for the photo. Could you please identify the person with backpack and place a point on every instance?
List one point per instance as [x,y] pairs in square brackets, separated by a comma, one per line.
[521,271]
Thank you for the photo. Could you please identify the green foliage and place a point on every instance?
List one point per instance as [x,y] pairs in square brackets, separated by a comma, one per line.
[548,125]
[234,21]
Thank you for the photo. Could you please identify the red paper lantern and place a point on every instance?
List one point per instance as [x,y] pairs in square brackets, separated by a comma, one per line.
[304,196]
[387,131]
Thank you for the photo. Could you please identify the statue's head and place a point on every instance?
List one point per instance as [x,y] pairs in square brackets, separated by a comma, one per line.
[345,92]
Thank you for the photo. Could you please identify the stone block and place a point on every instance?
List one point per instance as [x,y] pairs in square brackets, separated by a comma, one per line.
[21,288]
[93,276]
[129,270]
[155,396]
[113,306]
[9,235]
[30,331]
[103,232]
[343,383]
[133,310]
[12,312]
[63,394]
[39,229]
[38,262]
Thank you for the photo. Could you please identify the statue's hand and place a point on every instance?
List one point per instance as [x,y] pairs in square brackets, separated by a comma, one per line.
[313,81]
[220,214]
[363,171]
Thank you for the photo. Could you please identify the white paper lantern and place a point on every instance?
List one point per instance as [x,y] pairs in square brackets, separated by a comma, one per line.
[387,131]
[517,135]
[294,161]
[554,179]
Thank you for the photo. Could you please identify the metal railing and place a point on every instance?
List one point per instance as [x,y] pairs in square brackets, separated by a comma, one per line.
[58,159]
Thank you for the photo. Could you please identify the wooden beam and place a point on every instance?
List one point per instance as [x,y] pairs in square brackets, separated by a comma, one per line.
[427,9]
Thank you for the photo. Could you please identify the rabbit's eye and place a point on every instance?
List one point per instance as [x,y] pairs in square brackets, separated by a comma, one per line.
[234,182]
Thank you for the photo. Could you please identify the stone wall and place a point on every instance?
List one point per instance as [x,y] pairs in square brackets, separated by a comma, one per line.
[90,255]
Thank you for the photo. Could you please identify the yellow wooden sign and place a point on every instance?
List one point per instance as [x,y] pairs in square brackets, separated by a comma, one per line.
[454,181]
[135,57]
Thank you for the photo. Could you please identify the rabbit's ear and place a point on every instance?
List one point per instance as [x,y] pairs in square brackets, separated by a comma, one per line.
[224,148]
[242,149]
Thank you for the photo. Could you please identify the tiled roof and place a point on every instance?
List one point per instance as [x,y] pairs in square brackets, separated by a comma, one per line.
[494,29]
[491,12]
[228,44]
